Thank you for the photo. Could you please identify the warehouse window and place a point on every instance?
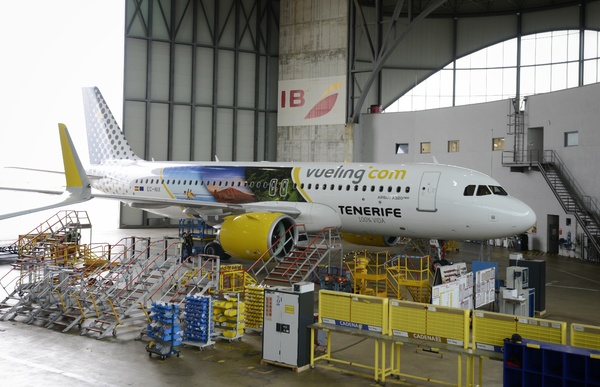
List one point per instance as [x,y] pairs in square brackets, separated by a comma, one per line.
[453,146]
[401,148]
[549,61]
[498,143]
[571,138]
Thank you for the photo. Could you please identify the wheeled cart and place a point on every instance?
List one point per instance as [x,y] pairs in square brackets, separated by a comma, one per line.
[199,326]
[229,313]
[164,330]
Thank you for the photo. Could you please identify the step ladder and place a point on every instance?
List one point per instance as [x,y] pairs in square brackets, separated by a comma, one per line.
[302,261]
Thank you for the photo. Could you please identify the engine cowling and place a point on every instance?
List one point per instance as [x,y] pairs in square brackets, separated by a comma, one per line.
[370,240]
[249,236]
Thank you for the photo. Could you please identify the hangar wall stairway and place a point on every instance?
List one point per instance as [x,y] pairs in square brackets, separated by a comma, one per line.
[571,197]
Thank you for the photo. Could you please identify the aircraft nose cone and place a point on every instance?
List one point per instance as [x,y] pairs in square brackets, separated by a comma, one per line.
[524,218]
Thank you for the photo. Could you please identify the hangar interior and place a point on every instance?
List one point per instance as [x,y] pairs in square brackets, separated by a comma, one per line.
[208,79]
[231,79]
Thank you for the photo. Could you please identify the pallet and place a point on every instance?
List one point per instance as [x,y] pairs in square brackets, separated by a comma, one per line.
[290,366]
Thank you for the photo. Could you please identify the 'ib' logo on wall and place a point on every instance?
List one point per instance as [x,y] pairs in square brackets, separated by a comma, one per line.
[312,101]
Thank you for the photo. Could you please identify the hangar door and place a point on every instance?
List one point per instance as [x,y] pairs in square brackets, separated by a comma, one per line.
[200,82]
[428,191]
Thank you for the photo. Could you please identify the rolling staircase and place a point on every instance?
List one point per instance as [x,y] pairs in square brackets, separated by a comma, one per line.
[300,263]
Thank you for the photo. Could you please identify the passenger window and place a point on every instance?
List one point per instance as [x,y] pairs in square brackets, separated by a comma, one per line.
[372,188]
[324,187]
[309,185]
[390,188]
[364,188]
[407,189]
[332,187]
[398,189]
[483,190]
[317,186]
[348,187]
[356,188]
[380,188]
[497,190]
[469,190]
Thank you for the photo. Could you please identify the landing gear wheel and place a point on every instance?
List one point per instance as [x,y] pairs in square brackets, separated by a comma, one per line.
[213,248]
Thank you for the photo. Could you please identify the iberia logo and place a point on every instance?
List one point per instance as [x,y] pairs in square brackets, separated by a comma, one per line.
[327,102]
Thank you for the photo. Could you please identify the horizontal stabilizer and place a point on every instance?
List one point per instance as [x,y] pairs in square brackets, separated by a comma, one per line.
[78,187]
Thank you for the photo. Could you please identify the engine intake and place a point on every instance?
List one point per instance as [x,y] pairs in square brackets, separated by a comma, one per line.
[250,235]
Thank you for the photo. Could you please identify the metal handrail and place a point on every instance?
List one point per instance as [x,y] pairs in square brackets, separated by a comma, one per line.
[536,158]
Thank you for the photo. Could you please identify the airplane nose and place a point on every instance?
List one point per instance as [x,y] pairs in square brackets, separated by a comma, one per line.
[523,218]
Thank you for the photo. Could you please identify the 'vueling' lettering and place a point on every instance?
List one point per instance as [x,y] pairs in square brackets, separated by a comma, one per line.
[356,175]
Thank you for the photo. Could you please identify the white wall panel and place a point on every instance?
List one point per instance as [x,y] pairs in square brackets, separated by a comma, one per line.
[136,70]
[224,134]
[244,138]
[134,119]
[225,78]
[180,147]
[203,134]
[204,75]
[182,75]
[159,71]
[246,80]
[159,131]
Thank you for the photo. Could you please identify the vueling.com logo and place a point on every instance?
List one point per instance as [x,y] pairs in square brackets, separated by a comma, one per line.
[324,106]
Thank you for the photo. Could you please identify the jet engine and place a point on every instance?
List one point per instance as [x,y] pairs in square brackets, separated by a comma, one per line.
[250,235]
[370,240]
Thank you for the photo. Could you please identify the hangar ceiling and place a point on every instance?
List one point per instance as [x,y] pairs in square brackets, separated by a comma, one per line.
[395,45]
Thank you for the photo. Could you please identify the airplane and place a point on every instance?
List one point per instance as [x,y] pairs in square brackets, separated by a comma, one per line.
[252,204]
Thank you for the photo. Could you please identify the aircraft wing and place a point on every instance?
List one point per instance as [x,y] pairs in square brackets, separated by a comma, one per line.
[77,184]
[200,207]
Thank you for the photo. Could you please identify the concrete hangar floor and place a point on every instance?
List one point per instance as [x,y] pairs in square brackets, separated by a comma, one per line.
[32,355]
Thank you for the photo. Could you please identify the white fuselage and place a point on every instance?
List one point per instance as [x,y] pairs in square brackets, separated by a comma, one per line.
[412,200]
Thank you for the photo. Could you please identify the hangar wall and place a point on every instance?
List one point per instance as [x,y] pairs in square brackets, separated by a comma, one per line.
[312,70]
[200,81]
[474,126]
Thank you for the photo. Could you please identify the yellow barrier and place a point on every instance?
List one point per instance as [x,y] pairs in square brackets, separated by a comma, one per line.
[542,330]
[430,323]
[490,329]
[586,336]
[356,311]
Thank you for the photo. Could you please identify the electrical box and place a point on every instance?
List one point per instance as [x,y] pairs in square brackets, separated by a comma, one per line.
[288,311]
[517,277]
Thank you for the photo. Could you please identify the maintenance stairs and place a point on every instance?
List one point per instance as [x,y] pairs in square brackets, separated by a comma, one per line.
[410,276]
[62,229]
[565,188]
[101,289]
[299,264]
[571,198]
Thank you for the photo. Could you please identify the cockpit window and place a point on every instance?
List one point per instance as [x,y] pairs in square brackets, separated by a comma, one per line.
[483,190]
[469,190]
[497,190]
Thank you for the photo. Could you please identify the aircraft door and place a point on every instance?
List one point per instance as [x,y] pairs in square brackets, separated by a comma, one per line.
[428,191]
